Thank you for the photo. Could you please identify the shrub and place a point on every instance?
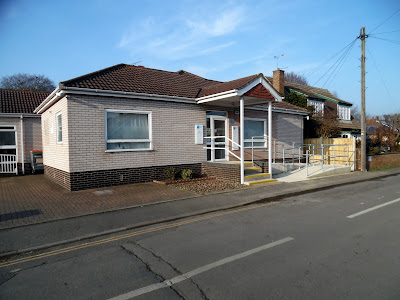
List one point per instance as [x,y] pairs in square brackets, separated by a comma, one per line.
[170,174]
[186,174]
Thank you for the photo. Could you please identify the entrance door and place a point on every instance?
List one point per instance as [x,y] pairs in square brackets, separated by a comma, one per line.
[216,126]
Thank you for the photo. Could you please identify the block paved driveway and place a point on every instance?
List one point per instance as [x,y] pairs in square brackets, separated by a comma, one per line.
[34,199]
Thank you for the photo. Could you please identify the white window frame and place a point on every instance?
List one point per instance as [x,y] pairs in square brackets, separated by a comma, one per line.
[127,111]
[318,106]
[10,147]
[344,112]
[57,128]
[257,140]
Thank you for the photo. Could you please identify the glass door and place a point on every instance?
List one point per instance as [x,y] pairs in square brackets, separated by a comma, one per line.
[216,127]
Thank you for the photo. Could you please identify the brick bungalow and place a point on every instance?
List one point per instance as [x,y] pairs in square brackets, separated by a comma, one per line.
[20,129]
[128,124]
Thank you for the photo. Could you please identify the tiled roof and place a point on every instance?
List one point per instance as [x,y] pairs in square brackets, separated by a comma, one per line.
[312,92]
[139,79]
[20,101]
[350,125]
[287,105]
[227,86]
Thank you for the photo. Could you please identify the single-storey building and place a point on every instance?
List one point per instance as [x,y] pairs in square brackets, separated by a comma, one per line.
[128,124]
[20,129]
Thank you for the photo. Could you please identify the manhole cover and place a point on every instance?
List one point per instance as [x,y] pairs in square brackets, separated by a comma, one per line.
[104,192]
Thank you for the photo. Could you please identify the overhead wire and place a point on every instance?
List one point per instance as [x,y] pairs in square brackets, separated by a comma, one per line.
[328,60]
[384,21]
[338,61]
[380,74]
[339,66]
[387,40]
[373,34]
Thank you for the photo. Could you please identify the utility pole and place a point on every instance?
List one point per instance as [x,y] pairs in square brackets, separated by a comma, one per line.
[363,36]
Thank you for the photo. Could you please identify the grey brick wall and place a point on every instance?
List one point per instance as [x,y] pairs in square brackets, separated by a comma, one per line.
[173,126]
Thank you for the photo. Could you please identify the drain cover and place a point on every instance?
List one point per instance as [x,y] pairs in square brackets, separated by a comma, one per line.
[104,192]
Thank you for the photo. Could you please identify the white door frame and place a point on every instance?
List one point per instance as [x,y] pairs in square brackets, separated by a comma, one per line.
[211,142]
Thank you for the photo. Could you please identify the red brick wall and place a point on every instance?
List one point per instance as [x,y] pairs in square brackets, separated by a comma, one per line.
[384,160]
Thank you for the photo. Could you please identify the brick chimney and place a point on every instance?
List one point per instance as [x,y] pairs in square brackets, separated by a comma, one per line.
[278,81]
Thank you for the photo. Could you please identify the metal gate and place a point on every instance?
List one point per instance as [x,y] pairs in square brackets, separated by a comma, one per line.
[8,163]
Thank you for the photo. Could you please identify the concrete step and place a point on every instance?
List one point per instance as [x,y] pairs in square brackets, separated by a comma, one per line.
[252,168]
[259,181]
[257,176]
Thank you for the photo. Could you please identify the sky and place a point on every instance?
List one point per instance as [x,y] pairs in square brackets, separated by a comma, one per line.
[219,40]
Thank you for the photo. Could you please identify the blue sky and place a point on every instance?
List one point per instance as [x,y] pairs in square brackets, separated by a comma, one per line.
[220,40]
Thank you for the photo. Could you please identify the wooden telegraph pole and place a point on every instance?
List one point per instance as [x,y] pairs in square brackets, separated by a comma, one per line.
[363,36]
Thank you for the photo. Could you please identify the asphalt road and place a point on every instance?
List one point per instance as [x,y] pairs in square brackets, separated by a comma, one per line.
[323,245]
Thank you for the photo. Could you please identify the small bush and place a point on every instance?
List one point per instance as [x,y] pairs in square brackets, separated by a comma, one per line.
[187,174]
[170,174]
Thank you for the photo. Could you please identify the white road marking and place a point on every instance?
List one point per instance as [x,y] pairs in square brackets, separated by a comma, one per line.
[177,279]
[372,208]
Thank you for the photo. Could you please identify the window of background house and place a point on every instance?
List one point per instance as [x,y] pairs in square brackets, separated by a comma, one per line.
[344,112]
[8,139]
[59,128]
[128,130]
[256,128]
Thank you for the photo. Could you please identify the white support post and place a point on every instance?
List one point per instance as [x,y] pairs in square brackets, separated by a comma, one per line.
[22,146]
[270,138]
[241,140]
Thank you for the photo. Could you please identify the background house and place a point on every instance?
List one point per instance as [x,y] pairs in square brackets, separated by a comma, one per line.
[325,104]
[20,128]
[127,124]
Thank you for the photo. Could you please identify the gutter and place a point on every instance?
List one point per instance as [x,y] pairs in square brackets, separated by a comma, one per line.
[281,110]
[16,115]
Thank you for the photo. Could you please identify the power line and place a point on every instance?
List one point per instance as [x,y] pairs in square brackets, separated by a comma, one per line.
[385,32]
[328,60]
[340,65]
[385,21]
[387,40]
[337,62]
[380,74]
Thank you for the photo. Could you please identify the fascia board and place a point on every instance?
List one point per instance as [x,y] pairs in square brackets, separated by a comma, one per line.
[265,83]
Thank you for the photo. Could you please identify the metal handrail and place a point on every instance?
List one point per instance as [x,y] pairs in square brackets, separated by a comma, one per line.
[325,156]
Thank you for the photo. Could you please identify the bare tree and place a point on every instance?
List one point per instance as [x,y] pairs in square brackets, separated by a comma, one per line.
[327,125]
[296,78]
[356,113]
[334,93]
[23,81]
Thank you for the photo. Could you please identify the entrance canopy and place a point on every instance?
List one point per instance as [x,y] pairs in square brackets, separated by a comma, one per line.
[248,91]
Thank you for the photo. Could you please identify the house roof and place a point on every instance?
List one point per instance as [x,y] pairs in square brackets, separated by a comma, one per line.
[226,86]
[287,105]
[312,92]
[20,101]
[352,125]
[138,79]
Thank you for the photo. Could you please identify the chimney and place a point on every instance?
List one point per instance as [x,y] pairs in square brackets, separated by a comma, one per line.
[278,81]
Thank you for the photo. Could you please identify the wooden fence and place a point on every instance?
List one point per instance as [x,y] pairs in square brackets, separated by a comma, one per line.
[341,154]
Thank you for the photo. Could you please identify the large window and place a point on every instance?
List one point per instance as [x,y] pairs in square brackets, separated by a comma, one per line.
[8,139]
[128,130]
[59,128]
[254,130]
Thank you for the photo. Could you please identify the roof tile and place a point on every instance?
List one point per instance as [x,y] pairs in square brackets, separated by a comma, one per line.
[20,101]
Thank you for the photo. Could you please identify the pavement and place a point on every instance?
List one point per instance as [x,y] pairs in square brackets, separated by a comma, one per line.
[73,216]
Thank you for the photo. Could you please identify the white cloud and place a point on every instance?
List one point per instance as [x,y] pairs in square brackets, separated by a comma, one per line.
[179,37]
[219,24]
